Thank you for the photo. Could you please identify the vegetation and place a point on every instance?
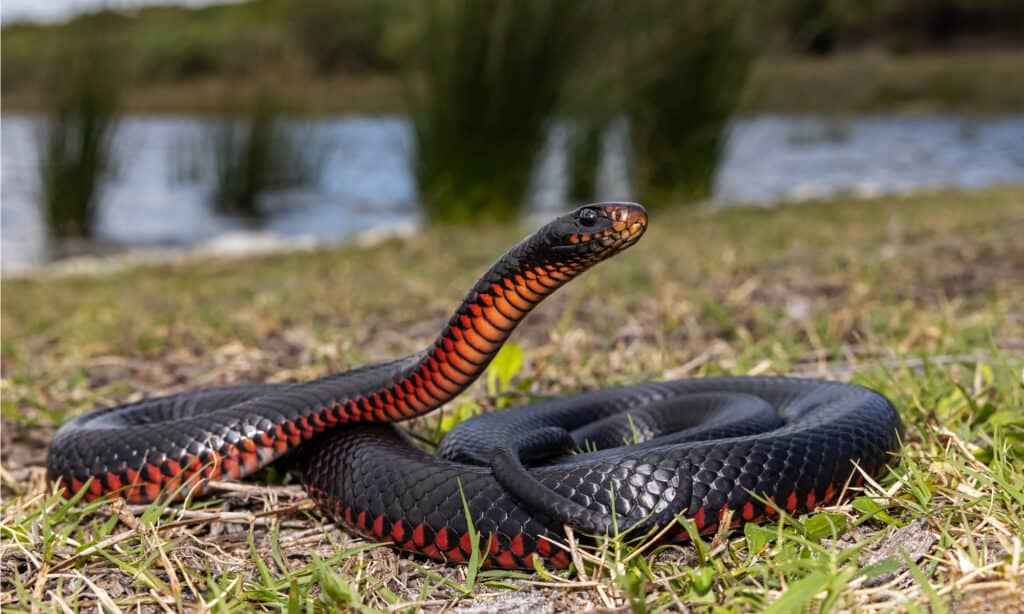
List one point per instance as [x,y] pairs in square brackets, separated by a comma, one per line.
[344,35]
[174,43]
[344,55]
[920,299]
[824,26]
[689,70]
[255,153]
[965,83]
[485,81]
[969,82]
[585,148]
[492,78]
[81,115]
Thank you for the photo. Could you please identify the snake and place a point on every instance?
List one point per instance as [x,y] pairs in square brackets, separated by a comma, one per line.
[675,456]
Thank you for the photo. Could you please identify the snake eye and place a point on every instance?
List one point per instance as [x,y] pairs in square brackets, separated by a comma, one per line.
[588,217]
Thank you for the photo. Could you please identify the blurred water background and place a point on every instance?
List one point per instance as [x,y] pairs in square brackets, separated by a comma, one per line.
[271,124]
[158,190]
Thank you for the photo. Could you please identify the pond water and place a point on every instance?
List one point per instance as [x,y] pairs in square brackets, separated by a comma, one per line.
[159,189]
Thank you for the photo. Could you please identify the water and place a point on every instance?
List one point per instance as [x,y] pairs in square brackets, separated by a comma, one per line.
[776,158]
[159,189]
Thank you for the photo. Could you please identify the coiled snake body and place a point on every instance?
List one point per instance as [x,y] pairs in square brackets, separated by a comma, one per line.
[699,447]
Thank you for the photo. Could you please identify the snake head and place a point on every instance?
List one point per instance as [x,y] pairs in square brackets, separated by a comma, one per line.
[592,233]
[565,247]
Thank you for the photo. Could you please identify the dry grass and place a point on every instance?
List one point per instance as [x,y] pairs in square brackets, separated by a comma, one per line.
[920,298]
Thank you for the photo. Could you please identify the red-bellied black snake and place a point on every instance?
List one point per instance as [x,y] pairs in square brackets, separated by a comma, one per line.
[753,445]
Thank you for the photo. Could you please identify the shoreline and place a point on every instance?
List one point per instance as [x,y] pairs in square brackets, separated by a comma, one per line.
[111,258]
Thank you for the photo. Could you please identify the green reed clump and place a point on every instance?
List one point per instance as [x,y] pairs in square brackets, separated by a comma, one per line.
[255,152]
[82,96]
[689,65]
[585,146]
[492,76]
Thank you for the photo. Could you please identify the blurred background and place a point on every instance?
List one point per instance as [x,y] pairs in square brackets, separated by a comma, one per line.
[275,124]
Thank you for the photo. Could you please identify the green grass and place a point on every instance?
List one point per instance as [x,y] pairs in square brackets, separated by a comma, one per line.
[918,297]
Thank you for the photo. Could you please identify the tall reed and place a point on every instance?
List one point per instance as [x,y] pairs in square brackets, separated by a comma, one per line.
[81,110]
[689,65]
[585,148]
[491,79]
[255,152]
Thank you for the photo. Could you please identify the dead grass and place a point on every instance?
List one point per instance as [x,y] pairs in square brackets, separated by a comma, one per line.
[920,298]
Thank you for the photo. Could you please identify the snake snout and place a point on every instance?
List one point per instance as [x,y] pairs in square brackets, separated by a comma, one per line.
[628,214]
[629,220]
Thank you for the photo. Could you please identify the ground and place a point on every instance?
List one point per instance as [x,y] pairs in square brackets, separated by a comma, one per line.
[920,297]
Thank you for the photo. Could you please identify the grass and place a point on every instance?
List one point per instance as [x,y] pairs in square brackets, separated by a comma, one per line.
[920,297]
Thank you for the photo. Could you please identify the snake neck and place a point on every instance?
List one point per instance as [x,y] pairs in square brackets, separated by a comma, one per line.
[500,299]
[471,339]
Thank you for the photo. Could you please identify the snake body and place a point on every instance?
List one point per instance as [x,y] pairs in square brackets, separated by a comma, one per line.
[696,448]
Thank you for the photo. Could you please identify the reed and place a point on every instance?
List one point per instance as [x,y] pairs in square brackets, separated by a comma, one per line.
[256,152]
[490,82]
[82,95]
[689,66]
[586,145]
